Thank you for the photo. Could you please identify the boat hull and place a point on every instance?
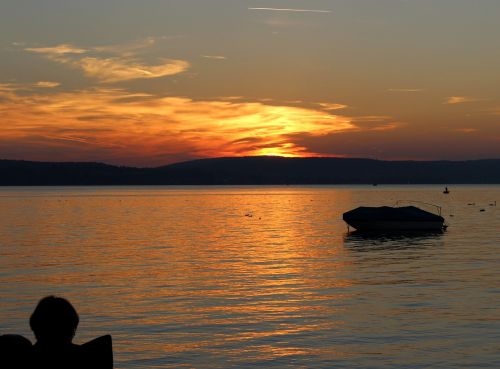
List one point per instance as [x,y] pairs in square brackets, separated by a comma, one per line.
[390,225]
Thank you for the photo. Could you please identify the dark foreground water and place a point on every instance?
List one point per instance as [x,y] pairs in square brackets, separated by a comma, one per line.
[257,277]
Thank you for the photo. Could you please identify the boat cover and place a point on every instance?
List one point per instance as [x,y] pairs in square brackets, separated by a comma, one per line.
[387,213]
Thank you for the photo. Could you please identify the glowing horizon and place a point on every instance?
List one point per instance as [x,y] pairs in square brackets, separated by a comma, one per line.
[141,128]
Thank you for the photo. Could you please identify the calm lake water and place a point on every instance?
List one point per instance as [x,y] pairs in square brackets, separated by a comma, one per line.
[257,277]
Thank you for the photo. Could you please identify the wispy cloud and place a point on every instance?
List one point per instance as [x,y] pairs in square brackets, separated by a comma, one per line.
[375,123]
[292,10]
[111,69]
[47,84]
[332,106]
[230,98]
[12,87]
[405,90]
[7,87]
[57,50]
[115,69]
[214,57]
[461,100]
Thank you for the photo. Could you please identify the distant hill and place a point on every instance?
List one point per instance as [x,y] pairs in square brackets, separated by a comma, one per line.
[254,170]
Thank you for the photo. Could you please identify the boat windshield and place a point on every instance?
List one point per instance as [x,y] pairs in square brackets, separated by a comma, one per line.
[436,208]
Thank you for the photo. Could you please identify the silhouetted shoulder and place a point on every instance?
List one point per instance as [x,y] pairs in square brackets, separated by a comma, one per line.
[57,357]
[95,354]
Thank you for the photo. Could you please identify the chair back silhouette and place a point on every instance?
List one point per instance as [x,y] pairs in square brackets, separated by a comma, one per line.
[99,352]
[15,351]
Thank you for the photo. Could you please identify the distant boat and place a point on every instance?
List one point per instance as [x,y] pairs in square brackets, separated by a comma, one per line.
[446,191]
[387,218]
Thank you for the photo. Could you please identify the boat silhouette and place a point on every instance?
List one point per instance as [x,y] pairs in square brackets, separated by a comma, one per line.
[394,218]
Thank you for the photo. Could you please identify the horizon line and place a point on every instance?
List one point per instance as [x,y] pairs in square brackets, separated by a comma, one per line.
[244,157]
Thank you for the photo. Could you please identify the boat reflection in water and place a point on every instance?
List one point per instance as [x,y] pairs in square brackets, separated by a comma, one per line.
[396,240]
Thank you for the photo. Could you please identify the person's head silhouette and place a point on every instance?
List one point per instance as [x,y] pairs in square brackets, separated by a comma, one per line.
[54,321]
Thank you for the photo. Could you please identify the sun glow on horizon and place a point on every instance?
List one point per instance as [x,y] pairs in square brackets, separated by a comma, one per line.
[120,127]
[287,151]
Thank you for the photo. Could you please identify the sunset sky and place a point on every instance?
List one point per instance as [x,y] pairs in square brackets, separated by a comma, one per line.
[152,82]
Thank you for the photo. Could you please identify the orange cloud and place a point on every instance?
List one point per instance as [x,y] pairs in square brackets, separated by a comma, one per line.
[115,70]
[120,127]
[330,106]
[57,50]
[461,99]
[466,130]
[111,69]
[11,87]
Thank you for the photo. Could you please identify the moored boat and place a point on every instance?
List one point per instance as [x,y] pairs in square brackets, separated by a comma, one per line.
[387,218]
